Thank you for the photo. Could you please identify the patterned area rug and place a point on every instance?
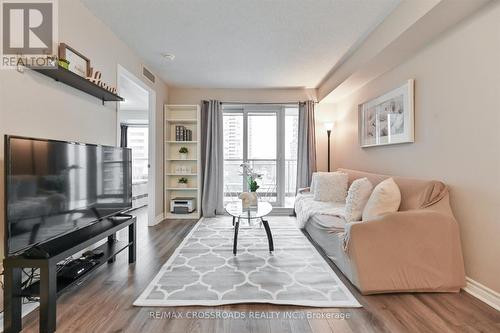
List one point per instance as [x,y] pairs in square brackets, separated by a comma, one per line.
[204,271]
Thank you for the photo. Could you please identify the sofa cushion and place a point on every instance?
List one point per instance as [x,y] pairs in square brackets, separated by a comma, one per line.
[314,179]
[331,187]
[357,197]
[384,199]
[329,222]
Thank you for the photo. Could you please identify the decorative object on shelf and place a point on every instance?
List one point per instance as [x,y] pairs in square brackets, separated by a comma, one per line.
[183,169]
[77,62]
[329,128]
[183,181]
[183,134]
[95,77]
[387,119]
[64,63]
[183,153]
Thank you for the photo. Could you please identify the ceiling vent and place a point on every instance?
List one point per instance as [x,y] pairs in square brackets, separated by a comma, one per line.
[148,75]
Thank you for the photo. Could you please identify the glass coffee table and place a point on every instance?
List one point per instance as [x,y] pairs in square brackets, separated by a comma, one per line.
[238,213]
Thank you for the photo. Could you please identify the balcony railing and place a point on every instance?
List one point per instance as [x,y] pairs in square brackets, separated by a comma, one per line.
[268,190]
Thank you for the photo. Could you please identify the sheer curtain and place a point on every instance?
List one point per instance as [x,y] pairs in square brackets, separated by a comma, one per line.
[306,150]
[212,158]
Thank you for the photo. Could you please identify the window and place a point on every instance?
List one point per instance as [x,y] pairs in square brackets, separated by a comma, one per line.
[137,140]
[265,137]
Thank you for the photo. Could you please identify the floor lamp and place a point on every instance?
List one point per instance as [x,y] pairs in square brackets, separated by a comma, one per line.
[329,127]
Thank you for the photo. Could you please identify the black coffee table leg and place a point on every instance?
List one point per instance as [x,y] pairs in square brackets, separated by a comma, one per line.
[269,235]
[235,242]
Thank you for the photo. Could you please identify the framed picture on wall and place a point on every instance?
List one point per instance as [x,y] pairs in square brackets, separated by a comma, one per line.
[78,63]
[387,119]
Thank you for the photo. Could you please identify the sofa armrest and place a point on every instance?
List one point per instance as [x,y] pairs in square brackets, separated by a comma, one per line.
[411,250]
[304,190]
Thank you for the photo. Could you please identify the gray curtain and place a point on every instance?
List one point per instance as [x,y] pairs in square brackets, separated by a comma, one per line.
[212,159]
[123,135]
[306,152]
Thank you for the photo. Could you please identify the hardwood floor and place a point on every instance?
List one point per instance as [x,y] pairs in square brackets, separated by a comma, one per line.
[104,303]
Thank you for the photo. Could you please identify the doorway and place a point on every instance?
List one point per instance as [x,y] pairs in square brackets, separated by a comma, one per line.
[136,130]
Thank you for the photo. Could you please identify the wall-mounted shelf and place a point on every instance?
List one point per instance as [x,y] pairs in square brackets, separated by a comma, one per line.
[76,81]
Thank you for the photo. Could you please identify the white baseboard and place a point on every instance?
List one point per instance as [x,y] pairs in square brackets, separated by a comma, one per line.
[159,218]
[483,293]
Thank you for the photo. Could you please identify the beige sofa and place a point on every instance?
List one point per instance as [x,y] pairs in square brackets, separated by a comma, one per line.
[415,249]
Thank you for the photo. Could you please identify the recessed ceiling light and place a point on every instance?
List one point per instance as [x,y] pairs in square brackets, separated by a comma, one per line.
[168,56]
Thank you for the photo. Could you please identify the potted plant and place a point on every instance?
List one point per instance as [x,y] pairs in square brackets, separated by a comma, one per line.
[183,153]
[252,176]
[183,181]
[64,63]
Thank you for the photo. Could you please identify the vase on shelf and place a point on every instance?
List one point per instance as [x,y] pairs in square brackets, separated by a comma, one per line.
[183,153]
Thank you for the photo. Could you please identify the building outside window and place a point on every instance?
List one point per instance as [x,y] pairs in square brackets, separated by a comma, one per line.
[137,140]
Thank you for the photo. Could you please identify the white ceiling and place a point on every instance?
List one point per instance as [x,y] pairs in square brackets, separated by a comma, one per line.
[243,43]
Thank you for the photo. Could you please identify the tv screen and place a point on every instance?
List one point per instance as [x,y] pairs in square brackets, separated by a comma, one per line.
[55,187]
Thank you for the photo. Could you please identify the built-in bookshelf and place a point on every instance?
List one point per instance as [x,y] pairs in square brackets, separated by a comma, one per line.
[177,165]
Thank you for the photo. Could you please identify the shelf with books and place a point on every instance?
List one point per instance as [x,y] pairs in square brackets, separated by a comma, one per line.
[180,142]
[181,156]
[181,121]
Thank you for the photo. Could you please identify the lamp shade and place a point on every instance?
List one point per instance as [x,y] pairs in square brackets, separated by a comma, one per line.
[329,126]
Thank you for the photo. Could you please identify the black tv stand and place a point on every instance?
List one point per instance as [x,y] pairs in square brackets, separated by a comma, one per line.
[36,252]
[120,217]
[50,285]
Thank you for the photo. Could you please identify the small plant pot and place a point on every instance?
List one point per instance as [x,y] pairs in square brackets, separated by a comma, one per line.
[182,185]
[248,200]
[253,199]
[183,156]
[64,63]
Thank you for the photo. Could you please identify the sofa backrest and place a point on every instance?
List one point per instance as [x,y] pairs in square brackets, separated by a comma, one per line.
[415,193]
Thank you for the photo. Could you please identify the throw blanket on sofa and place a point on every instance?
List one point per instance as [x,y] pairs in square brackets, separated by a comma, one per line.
[306,206]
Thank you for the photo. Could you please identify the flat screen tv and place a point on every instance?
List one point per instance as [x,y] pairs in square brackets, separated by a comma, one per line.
[53,188]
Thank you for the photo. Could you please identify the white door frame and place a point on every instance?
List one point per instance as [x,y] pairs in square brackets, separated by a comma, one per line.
[121,71]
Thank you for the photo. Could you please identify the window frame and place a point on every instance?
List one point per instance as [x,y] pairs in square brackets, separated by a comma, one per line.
[142,126]
[280,112]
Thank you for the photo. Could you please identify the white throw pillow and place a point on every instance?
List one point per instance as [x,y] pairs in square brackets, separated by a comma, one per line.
[314,179]
[385,198]
[331,186]
[357,196]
